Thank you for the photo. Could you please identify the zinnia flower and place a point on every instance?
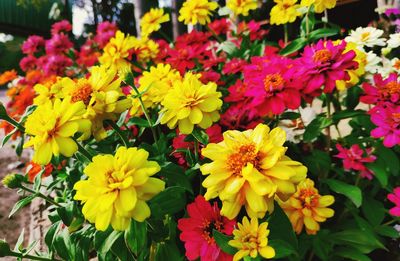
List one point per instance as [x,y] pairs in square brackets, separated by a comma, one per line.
[367,36]
[285,11]
[34,169]
[248,169]
[241,7]
[307,208]
[387,120]
[395,198]
[145,49]
[189,103]
[63,26]
[319,5]
[197,231]
[52,127]
[58,44]
[394,40]
[252,240]
[104,32]
[118,187]
[8,76]
[32,44]
[152,20]
[197,11]
[387,90]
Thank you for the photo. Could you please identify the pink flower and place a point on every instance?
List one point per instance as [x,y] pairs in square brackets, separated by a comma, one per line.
[28,63]
[355,159]
[395,198]
[58,44]
[56,64]
[219,26]
[61,27]
[323,64]
[104,32]
[271,86]
[234,66]
[32,44]
[210,76]
[387,90]
[387,120]
[197,231]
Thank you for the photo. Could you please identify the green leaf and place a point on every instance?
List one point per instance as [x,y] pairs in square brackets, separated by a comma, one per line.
[373,210]
[51,233]
[167,251]
[353,96]
[223,242]
[379,169]
[322,245]
[136,236]
[66,213]
[169,201]
[310,23]
[350,191]
[108,242]
[339,115]
[18,246]
[318,163]
[357,238]
[322,33]
[314,129]
[63,245]
[138,122]
[21,203]
[175,176]
[4,248]
[290,115]
[294,46]
[3,112]
[281,228]
[282,248]
[387,231]
[351,253]
[390,158]
[200,135]
[7,137]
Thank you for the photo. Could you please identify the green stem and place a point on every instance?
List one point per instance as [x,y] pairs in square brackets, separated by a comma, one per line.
[285,33]
[169,40]
[328,129]
[119,132]
[51,201]
[196,153]
[389,222]
[19,255]
[82,150]
[14,123]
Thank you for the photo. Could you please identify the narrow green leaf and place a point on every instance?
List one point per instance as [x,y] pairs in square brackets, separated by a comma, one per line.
[322,33]
[109,241]
[200,135]
[223,242]
[21,203]
[282,248]
[294,46]
[18,246]
[350,191]
[281,228]
[136,236]
[351,253]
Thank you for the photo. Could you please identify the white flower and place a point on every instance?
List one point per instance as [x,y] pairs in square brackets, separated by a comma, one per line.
[386,68]
[395,62]
[368,36]
[6,37]
[394,41]
[373,61]
[295,128]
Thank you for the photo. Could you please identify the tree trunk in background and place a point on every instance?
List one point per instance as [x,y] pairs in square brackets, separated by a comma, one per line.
[177,28]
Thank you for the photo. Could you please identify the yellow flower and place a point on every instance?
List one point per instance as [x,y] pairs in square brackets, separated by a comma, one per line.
[154,85]
[189,103]
[248,169]
[117,51]
[319,5]
[285,11]
[307,207]
[241,7]
[101,93]
[145,49]
[118,187]
[251,239]
[52,126]
[197,11]
[361,59]
[152,20]
[48,92]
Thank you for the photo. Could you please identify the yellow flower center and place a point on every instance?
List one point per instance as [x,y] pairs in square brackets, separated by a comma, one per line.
[309,197]
[391,87]
[273,82]
[365,36]
[247,154]
[322,56]
[83,92]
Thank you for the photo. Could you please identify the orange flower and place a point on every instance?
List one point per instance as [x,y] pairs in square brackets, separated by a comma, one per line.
[8,76]
[34,169]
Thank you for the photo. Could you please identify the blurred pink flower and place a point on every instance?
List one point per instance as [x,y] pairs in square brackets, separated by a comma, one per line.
[61,27]
[395,198]
[58,44]
[32,44]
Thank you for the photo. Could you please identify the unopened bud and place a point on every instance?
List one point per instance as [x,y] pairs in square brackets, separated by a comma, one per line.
[12,181]
[4,248]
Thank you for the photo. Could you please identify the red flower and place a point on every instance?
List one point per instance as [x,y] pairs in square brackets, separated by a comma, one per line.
[197,231]
[34,169]
[219,26]
[32,44]
[395,198]
[234,66]
[61,27]
[387,90]
[58,44]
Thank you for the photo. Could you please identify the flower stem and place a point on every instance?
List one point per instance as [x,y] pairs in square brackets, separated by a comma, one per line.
[40,195]
[85,153]
[31,257]
[328,129]
[14,123]
[119,132]
[285,33]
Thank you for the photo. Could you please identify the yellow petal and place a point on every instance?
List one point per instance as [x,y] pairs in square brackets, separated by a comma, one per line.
[267,252]
[103,220]
[196,116]
[185,126]
[141,211]
[67,146]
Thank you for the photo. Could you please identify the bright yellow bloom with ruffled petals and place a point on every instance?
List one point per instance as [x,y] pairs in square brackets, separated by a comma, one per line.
[145,49]
[189,103]
[117,51]
[52,126]
[248,169]
[48,92]
[307,208]
[197,11]
[152,20]
[319,5]
[285,11]
[154,86]
[102,95]
[241,7]
[252,240]
[118,187]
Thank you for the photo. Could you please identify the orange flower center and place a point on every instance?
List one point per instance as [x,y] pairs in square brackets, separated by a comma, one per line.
[322,56]
[246,154]
[396,115]
[309,197]
[208,228]
[397,65]
[273,82]
[392,87]
[82,93]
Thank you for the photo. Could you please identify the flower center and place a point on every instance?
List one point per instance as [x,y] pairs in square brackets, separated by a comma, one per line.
[247,154]
[365,36]
[392,87]
[309,197]
[397,65]
[322,56]
[208,228]
[273,82]
[83,92]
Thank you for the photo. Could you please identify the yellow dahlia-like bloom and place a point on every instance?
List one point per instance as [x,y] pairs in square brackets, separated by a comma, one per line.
[248,169]
[319,5]
[152,20]
[145,49]
[102,95]
[361,59]
[241,7]
[251,239]
[285,11]
[52,126]
[306,207]
[118,187]
[117,51]
[154,85]
[189,103]
[47,92]
[197,11]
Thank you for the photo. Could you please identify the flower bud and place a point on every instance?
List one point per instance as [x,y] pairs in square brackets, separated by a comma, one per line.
[12,181]
[4,248]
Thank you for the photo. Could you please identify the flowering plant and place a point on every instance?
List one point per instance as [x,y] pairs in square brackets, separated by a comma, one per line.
[220,145]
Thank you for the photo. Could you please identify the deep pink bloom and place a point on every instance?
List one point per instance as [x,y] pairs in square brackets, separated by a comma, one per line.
[219,26]
[32,44]
[387,90]
[61,27]
[58,44]
[354,158]
[197,231]
[271,85]
[56,64]
[88,54]
[104,32]
[210,76]
[240,116]
[28,63]
[234,66]
[252,28]
[322,64]
[395,198]
[387,120]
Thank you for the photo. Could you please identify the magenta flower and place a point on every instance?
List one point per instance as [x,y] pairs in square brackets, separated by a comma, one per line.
[58,44]
[28,63]
[234,66]
[323,64]
[61,27]
[32,44]
[395,198]
[387,120]
[354,158]
[104,32]
[387,90]
[56,64]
